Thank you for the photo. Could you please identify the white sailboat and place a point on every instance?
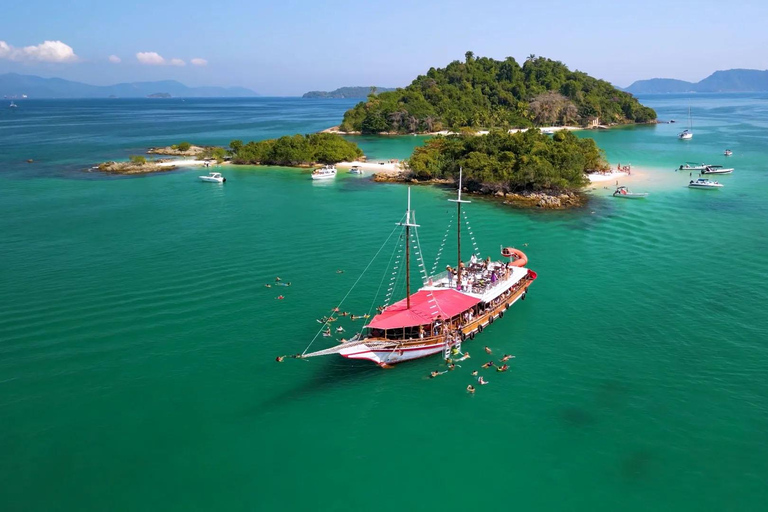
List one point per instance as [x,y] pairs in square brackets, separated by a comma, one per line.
[687,134]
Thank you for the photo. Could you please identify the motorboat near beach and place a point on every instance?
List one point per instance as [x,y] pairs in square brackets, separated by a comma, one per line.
[704,183]
[355,170]
[728,152]
[449,308]
[717,169]
[627,194]
[690,166]
[324,173]
[213,177]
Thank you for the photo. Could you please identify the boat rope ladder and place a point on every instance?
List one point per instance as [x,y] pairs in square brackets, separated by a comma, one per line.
[397,253]
[442,246]
[325,324]
[471,235]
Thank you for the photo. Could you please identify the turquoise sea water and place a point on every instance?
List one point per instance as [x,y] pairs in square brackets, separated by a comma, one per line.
[137,339]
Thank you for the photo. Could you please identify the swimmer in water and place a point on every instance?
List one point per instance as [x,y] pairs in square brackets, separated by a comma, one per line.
[280,297]
[452,366]
[339,271]
[339,329]
[502,368]
[474,373]
[507,357]
[335,310]
[471,389]
[488,364]
[465,356]
[487,350]
[268,285]
[279,359]
[435,373]
[278,279]
[482,381]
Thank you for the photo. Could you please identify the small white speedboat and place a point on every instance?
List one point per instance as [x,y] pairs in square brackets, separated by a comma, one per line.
[689,166]
[728,152]
[355,170]
[12,105]
[626,194]
[324,173]
[213,177]
[717,169]
[685,135]
[704,183]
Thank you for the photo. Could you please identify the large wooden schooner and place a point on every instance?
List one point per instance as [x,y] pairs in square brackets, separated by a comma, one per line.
[449,308]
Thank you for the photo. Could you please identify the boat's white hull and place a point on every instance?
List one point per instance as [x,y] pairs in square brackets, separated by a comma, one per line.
[387,357]
[721,171]
[687,136]
[632,196]
[706,186]
[323,176]
[211,180]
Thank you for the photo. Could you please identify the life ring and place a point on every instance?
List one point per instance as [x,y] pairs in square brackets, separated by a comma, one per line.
[501,314]
[490,320]
[516,256]
[472,336]
[479,328]
[463,336]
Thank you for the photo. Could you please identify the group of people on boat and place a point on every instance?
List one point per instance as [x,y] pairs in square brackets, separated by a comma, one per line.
[478,276]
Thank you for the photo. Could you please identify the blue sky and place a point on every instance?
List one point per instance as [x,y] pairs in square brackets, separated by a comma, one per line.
[288,47]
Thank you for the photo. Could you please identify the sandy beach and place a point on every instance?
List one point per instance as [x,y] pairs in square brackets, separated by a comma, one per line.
[188,162]
[375,166]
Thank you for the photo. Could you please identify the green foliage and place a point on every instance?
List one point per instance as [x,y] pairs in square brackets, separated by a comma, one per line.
[485,93]
[138,159]
[326,148]
[183,146]
[499,161]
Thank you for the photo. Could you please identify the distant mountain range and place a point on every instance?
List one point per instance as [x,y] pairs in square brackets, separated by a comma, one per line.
[731,80]
[15,85]
[346,92]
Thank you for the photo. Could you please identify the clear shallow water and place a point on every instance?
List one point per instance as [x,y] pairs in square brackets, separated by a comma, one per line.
[138,340]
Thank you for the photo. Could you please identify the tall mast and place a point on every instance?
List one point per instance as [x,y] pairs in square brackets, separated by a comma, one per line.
[408,225]
[458,202]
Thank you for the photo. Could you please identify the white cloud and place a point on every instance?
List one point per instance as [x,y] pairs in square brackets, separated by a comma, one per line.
[150,58]
[177,62]
[199,62]
[48,51]
[114,59]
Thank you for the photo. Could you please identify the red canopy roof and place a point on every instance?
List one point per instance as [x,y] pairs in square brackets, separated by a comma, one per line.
[426,307]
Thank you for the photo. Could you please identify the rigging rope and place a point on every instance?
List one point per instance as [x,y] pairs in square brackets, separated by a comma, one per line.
[471,235]
[322,327]
[442,246]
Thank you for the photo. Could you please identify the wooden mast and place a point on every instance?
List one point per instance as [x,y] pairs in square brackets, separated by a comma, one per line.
[458,202]
[408,225]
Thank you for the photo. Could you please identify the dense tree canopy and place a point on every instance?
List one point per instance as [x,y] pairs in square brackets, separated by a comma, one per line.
[326,148]
[486,93]
[525,161]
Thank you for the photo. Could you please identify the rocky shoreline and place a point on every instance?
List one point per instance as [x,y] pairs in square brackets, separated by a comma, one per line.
[172,151]
[548,199]
[134,168]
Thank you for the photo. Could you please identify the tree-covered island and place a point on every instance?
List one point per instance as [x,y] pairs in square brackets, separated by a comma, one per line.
[483,93]
[528,168]
[296,150]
